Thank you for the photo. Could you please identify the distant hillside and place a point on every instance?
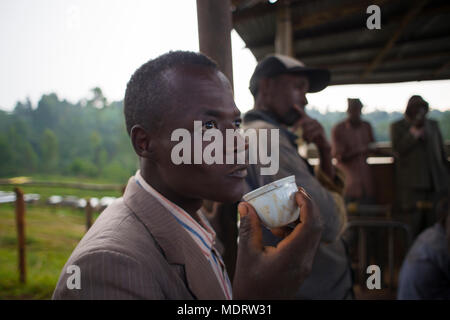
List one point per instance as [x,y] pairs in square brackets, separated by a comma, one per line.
[380,121]
[57,137]
[88,138]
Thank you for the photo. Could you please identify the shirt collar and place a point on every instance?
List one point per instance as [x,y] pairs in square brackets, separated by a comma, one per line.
[202,233]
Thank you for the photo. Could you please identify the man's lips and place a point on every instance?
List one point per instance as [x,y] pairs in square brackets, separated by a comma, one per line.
[239,172]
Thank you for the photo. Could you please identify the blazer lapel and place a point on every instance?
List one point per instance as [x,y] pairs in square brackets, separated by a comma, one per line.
[176,244]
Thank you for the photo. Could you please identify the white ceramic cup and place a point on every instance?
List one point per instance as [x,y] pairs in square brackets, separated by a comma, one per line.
[275,202]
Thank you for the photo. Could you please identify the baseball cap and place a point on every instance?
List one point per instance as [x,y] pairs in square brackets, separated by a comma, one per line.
[277,64]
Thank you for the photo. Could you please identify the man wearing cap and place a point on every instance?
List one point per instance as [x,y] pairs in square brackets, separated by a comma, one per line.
[420,162]
[279,85]
[351,142]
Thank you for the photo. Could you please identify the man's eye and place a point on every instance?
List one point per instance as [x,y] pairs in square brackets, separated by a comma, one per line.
[238,123]
[210,124]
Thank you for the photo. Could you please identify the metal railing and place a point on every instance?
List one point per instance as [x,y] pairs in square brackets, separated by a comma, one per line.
[361,224]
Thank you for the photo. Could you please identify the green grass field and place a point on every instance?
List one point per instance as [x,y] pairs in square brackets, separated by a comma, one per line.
[46,192]
[51,235]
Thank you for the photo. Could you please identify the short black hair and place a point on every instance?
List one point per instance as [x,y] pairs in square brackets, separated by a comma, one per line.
[147,93]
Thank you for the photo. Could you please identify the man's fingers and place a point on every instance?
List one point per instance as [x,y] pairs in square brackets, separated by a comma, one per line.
[310,226]
[281,232]
[250,233]
[301,111]
[303,115]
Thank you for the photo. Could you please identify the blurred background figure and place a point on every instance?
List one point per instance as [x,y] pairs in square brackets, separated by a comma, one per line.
[425,273]
[421,165]
[352,140]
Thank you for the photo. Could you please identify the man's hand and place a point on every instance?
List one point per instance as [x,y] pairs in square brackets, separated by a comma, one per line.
[313,131]
[417,132]
[275,272]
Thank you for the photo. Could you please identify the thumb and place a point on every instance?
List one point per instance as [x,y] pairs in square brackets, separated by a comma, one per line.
[250,233]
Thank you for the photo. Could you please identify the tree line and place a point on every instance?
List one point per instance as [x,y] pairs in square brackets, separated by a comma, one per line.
[88,138]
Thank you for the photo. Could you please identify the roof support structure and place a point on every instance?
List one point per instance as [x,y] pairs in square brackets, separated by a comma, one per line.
[283,36]
[441,68]
[214,33]
[334,13]
[411,14]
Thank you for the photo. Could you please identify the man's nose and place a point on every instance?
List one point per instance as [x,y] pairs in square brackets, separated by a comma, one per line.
[241,141]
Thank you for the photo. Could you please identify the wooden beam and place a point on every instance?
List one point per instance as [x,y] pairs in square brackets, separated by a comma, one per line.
[241,5]
[387,77]
[259,10]
[365,64]
[214,33]
[441,69]
[335,13]
[411,14]
[394,21]
[283,35]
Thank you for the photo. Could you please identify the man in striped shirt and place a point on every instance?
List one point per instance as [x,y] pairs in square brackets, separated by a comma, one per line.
[154,243]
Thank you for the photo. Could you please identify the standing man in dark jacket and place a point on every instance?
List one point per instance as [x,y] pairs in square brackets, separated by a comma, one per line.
[421,164]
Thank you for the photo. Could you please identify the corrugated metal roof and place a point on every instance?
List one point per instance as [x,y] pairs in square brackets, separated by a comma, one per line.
[333,34]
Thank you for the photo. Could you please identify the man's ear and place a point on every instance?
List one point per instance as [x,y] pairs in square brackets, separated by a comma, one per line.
[142,142]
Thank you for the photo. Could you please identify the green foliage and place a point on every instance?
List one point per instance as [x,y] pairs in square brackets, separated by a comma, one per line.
[49,151]
[85,139]
[6,156]
[88,138]
[83,167]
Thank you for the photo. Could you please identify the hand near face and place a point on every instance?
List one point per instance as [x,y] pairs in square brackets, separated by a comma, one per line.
[417,132]
[313,131]
[275,272]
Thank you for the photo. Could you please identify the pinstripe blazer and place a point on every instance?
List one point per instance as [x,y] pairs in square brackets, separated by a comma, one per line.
[137,250]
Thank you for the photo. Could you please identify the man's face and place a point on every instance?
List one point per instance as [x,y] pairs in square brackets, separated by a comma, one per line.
[199,94]
[418,113]
[282,92]
[354,114]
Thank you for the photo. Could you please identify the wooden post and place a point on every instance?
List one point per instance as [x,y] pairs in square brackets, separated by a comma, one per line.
[362,257]
[88,210]
[284,36]
[214,33]
[20,223]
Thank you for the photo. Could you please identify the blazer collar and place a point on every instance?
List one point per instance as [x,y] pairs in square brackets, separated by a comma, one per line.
[176,244]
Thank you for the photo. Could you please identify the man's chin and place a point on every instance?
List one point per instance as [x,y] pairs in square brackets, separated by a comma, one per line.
[291,117]
[229,196]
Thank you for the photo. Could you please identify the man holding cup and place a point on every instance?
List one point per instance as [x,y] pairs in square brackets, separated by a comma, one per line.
[279,85]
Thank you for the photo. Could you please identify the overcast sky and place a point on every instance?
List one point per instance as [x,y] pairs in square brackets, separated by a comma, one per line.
[71,46]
